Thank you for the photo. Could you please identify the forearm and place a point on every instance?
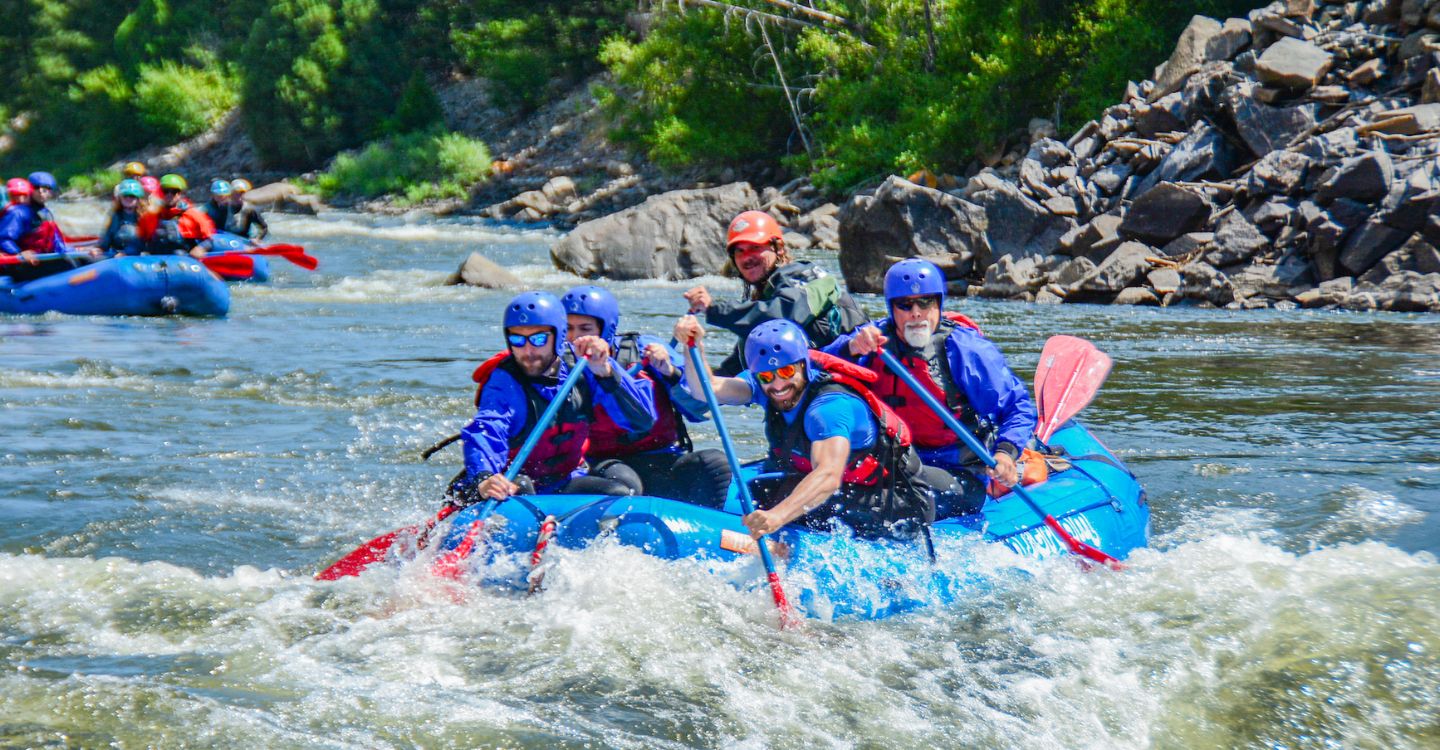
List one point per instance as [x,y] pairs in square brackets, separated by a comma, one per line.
[813,491]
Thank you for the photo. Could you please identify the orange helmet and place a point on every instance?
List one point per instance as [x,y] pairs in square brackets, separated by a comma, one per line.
[134,169]
[754,227]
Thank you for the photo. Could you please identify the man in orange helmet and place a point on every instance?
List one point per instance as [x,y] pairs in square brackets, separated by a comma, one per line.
[777,288]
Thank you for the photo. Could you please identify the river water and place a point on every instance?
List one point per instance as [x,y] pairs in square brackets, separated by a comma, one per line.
[170,486]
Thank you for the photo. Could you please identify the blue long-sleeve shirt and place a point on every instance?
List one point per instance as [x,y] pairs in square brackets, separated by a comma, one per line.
[992,388]
[19,220]
[691,408]
[502,412]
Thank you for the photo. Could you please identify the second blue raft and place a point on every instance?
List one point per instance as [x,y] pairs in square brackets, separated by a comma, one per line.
[143,285]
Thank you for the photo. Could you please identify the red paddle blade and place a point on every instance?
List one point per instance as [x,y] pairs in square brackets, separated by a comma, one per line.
[377,549]
[230,266]
[1070,372]
[364,556]
[293,253]
[1081,549]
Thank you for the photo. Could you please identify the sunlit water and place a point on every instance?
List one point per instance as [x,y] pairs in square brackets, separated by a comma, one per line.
[170,486]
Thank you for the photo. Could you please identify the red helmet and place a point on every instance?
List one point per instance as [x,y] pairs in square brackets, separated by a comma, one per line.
[754,227]
[151,185]
[19,186]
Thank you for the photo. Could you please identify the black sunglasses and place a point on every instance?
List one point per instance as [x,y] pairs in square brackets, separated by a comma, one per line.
[924,303]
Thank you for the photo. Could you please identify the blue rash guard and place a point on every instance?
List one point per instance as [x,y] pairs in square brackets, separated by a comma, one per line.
[502,413]
[20,219]
[830,415]
[994,391]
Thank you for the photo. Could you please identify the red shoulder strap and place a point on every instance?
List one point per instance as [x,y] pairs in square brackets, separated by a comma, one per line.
[838,366]
[485,370]
[960,319]
[891,422]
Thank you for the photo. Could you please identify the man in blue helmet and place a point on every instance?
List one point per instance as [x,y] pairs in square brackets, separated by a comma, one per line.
[516,385]
[661,459]
[960,367]
[30,229]
[844,454]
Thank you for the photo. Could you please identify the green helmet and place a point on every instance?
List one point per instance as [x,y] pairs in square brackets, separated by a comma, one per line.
[132,188]
[173,182]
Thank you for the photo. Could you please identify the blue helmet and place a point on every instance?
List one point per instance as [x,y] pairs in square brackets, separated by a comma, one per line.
[219,187]
[537,309]
[913,277]
[43,180]
[776,343]
[598,303]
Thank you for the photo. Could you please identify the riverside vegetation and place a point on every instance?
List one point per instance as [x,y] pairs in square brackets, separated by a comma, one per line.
[888,86]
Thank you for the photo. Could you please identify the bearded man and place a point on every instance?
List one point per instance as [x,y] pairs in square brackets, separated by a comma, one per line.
[947,354]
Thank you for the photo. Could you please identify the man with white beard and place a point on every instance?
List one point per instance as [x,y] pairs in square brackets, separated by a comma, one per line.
[960,367]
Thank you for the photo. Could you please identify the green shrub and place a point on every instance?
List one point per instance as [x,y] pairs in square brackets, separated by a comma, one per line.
[417,167]
[100,183]
[177,101]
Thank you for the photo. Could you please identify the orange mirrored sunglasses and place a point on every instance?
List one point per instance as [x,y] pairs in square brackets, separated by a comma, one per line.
[766,378]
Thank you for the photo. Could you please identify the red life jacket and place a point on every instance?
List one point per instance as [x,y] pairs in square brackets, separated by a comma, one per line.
[608,440]
[42,234]
[930,431]
[562,445]
[790,446]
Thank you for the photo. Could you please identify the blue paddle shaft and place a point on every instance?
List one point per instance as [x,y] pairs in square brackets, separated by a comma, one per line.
[747,503]
[543,423]
[950,421]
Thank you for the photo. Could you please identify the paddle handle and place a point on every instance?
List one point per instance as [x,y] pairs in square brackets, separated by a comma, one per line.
[1075,545]
[747,503]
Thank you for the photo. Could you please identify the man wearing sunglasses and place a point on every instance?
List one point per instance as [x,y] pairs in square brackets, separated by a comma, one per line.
[515,387]
[777,288]
[178,226]
[947,353]
[845,456]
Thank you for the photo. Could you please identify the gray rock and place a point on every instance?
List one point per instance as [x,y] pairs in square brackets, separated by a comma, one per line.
[1431,231]
[1189,54]
[559,190]
[1367,245]
[1328,294]
[1281,172]
[1072,272]
[797,241]
[477,270]
[1050,153]
[534,200]
[1337,144]
[1164,213]
[1136,295]
[1272,215]
[1204,154]
[1274,281]
[1419,43]
[1427,256]
[1062,205]
[1111,177]
[1415,201]
[1367,72]
[1188,243]
[1018,225]
[1293,64]
[1100,236]
[1013,276]
[1202,282]
[1409,291]
[902,219]
[1164,280]
[675,235]
[1122,268]
[1166,114]
[1265,128]
[1236,241]
[1364,178]
[1232,39]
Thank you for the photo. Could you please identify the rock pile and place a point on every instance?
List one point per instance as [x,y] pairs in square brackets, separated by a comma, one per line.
[1288,158]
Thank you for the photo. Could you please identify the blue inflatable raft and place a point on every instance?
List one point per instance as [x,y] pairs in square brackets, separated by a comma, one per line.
[833,575]
[143,285]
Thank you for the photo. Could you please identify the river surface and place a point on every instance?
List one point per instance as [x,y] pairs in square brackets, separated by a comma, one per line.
[168,488]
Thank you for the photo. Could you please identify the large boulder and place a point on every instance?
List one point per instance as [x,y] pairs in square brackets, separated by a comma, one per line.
[1124,267]
[1236,241]
[1189,55]
[1203,154]
[1265,128]
[1017,225]
[902,219]
[1365,178]
[282,196]
[1368,244]
[675,235]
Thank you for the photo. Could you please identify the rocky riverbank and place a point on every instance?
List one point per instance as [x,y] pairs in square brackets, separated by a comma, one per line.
[1291,158]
